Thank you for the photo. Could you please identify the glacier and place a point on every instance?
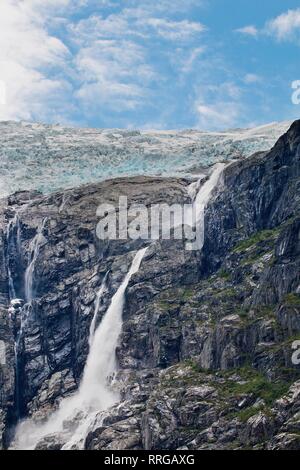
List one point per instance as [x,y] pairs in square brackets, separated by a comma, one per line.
[52,157]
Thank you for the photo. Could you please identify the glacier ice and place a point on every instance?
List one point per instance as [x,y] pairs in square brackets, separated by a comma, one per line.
[51,157]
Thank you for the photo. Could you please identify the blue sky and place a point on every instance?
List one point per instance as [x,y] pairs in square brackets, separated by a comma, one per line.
[207,64]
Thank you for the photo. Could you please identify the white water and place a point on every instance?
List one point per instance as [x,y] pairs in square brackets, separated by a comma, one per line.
[12,292]
[97,307]
[34,252]
[95,393]
[201,199]
[15,222]
[205,192]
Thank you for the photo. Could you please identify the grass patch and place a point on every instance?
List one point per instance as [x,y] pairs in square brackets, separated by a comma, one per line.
[167,306]
[243,313]
[253,381]
[292,300]
[255,239]
[229,292]
[187,294]
[195,367]
[258,257]
[257,384]
[177,294]
[266,311]
[223,274]
[246,413]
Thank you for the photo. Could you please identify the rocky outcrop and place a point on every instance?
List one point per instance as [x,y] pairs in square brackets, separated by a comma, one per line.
[205,354]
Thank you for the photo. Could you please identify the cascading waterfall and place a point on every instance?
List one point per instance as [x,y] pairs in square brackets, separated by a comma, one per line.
[11,287]
[21,312]
[97,307]
[101,362]
[204,194]
[200,201]
[95,393]
[13,237]
[34,252]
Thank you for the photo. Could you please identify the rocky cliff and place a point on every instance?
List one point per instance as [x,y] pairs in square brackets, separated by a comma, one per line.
[205,353]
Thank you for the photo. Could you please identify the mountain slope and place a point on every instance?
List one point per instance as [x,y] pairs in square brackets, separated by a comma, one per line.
[205,353]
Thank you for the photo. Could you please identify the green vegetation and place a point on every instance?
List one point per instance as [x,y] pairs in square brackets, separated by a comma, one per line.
[195,367]
[187,293]
[167,306]
[224,274]
[256,383]
[243,313]
[255,257]
[181,293]
[255,239]
[266,311]
[246,413]
[229,292]
[292,299]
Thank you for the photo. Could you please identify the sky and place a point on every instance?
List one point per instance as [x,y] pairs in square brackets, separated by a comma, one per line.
[147,64]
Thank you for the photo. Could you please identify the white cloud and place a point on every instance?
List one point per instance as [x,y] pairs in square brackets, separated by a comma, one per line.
[163,6]
[187,63]
[135,22]
[96,27]
[229,89]
[113,57]
[248,30]
[106,59]
[218,115]
[175,30]
[218,105]
[113,72]
[251,78]
[285,26]
[27,55]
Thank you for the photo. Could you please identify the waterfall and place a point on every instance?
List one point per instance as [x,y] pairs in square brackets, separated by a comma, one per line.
[12,242]
[13,237]
[101,362]
[95,393]
[97,307]
[11,287]
[21,313]
[204,194]
[34,252]
[195,218]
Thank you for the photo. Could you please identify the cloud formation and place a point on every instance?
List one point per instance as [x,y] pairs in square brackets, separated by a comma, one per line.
[248,30]
[54,66]
[31,59]
[285,26]
[132,63]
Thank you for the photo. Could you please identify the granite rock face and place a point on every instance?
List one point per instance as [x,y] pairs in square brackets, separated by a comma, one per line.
[205,354]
